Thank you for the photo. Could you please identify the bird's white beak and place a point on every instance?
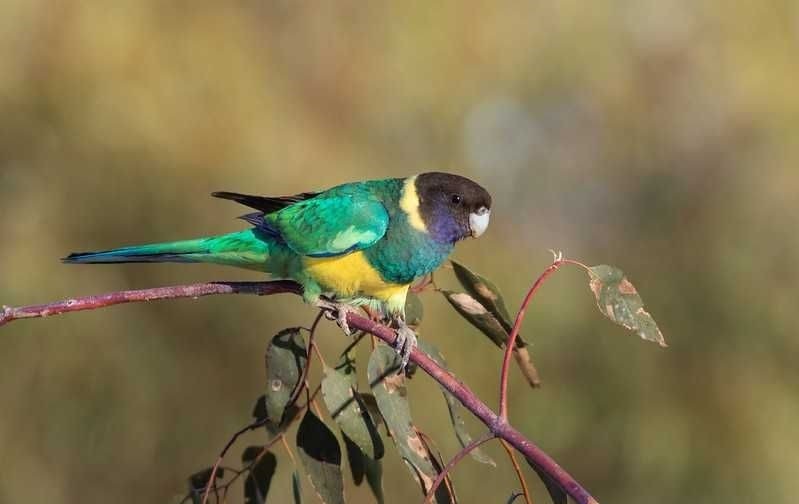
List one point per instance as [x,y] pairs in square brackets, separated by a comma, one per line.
[478,221]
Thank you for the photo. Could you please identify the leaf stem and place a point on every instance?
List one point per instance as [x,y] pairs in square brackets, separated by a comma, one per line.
[515,463]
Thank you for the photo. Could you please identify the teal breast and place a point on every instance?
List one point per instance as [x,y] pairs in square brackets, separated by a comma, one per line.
[407,251]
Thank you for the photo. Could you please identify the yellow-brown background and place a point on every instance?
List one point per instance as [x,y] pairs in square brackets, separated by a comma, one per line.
[662,137]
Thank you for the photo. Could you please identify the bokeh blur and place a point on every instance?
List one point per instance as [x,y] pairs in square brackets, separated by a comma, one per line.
[661,137]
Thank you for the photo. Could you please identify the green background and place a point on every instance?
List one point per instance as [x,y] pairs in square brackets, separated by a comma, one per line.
[662,137]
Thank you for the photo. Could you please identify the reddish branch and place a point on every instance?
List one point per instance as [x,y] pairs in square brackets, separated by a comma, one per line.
[498,425]
[503,380]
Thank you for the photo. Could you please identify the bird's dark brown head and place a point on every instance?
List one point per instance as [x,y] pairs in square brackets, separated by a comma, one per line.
[452,207]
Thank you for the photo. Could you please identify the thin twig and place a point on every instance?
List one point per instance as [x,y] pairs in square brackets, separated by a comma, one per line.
[497,424]
[519,474]
[303,383]
[212,478]
[488,436]
[511,344]
[289,451]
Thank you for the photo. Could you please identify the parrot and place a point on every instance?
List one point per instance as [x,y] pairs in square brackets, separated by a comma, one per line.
[359,244]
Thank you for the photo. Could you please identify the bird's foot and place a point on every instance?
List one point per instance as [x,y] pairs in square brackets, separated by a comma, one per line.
[404,344]
[336,311]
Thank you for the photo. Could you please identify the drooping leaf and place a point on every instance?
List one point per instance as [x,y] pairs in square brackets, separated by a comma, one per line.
[286,358]
[479,316]
[199,480]
[349,412]
[361,465]
[370,402]
[296,489]
[321,456]
[485,292]
[454,406]
[619,301]
[414,309]
[259,410]
[259,478]
[391,396]
[346,366]
[522,357]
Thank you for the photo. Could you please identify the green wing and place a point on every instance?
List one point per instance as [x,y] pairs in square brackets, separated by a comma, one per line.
[331,224]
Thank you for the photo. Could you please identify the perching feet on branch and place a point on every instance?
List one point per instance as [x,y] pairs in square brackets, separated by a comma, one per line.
[406,337]
[338,312]
[404,344]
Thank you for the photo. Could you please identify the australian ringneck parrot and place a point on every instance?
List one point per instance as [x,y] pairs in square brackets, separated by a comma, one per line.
[356,244]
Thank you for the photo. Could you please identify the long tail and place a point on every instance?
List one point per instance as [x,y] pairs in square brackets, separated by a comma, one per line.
[246,249]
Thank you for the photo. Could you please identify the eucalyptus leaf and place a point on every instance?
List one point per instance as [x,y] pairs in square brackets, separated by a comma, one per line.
[391,396]
[454,407]
[199,480]
[362,466]
[619,301]
[321,456]
[286,359]
[485,292]
[349,412]
[259,477]
[477,315]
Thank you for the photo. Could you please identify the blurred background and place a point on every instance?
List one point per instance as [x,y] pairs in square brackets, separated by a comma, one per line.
[661,137]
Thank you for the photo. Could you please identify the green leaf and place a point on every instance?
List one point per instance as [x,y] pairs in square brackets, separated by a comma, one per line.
[259,478]
[618,300]
[479,316]
[454,406]
[391,396]
[346,366]
[349,412]
[485,292]
[414,309]
[286,359]
[199,480]
[361,465]
[321,456]
[296,489]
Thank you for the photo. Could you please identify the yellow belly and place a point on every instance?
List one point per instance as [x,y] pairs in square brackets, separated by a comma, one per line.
[351,276]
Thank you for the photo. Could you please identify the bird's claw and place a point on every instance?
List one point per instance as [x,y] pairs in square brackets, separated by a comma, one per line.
[338,312]
[404,344]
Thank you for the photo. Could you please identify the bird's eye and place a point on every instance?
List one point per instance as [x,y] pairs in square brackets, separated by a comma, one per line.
[456,199]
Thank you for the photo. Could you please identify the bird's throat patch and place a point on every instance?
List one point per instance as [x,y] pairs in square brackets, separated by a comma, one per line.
[409,203]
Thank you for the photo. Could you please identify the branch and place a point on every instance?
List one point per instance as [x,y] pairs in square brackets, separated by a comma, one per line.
[9,314]
[498,425]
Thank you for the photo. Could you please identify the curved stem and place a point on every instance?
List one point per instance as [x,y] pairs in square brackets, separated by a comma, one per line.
[212,478]
[511,344]
[498,425]
[515,464]
[488,436]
